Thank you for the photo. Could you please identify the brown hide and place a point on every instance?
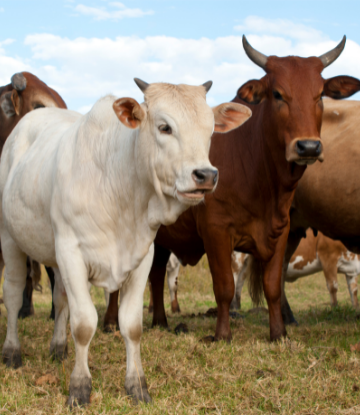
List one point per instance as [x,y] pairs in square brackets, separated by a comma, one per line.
[328,198]
[35,95]
[249,211]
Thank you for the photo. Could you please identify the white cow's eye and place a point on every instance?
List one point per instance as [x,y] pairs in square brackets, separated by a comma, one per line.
[165,129]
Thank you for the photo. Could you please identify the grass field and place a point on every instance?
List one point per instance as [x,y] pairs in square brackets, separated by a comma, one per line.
[314,372]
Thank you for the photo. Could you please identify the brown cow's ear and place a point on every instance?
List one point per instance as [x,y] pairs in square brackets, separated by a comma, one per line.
[252,92]
[7,105]
[341,87]
[229,116]
[129,112]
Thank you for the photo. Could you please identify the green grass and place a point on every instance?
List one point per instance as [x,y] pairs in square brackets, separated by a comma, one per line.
[313,372]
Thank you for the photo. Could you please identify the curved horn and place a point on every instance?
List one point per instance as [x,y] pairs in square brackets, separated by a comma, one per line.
[329,57]
[141,84]
[18,81]
[207,85]
[257,57]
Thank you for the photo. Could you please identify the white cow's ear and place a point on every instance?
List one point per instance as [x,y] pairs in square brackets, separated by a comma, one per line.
[10,103]
[229,116]
[129,112]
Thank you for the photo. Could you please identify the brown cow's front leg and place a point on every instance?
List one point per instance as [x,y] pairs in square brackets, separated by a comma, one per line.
[157,280]
[218,249]
[293,241]
[272,290]
[111,319]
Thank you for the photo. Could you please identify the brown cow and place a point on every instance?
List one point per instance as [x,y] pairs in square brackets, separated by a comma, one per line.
[25,93]
[259,165]
[328,198]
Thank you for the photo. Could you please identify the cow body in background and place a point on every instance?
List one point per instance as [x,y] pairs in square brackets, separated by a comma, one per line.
[328,198]
[25,93]
[259,166]
[86,196]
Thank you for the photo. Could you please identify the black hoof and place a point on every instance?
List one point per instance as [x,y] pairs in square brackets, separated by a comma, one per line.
[207,339]
[12,358]
[289,319]
[79,392]
[137,389]
[181,328]
[59,352]
[25,312]
[52,314]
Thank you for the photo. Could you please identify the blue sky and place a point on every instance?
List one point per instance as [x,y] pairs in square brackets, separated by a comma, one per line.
[87,48]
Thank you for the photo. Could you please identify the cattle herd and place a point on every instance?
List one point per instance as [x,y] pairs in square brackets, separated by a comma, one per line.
[130,191]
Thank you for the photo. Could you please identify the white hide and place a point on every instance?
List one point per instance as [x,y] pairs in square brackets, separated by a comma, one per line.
[86,195]
[293,273]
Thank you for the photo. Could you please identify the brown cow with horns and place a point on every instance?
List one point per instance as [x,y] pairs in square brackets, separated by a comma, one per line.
[259,165]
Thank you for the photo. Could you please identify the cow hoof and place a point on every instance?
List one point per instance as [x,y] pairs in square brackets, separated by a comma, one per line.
[111,327]
[25,312]
[79,392]
[137,389]
[181,328]
[175,308]
[289,320]
[12,357]
[52,314]
[208,339]
[59,352]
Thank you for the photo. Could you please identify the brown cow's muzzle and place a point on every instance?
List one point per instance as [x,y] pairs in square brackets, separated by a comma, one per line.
[304,151]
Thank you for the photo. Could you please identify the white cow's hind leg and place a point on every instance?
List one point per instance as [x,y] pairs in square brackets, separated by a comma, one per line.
[130,320]
[83,319]
[14,284]
[351,280]
[58,345]
[172,269]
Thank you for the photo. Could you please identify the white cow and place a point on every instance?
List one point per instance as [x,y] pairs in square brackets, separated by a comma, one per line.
[86,196]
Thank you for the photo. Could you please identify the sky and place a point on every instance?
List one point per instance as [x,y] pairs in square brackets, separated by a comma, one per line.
[86,49]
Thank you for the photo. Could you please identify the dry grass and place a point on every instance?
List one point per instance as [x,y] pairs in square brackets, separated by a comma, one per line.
[312,373]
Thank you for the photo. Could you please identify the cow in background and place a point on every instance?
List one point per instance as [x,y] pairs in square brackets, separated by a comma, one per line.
[328,198]
[259,165]
[26,93]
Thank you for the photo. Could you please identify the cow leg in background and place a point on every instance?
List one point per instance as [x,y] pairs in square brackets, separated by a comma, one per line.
[151,300]
[330,273]
[58,345]
[172,270]
[131,322]
[27,308]
[111,321]
[219,256]
[272,289]
[83,318]
[351,280]
[2,266]
[293,241]
[157,279]
[51,276]
[14,284]
[239,275]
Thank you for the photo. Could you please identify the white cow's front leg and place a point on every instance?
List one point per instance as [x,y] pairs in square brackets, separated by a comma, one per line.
[130,319]
[58,345]
[83,318]
[14,284]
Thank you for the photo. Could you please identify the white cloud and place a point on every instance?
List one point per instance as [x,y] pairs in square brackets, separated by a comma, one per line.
[84,69]
[105,14]
[283,27]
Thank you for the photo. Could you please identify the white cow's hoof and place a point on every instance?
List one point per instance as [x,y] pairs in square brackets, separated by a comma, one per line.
[79,391]
[12,357]
[137,389]
[59,352]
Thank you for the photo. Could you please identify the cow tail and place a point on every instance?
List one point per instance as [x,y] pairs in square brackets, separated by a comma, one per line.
[254,275]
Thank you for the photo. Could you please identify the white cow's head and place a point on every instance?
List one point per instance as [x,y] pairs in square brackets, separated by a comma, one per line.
[178,125]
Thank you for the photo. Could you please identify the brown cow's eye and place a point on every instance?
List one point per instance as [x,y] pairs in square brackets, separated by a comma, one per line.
[277,95]
[36,106]
[166,129]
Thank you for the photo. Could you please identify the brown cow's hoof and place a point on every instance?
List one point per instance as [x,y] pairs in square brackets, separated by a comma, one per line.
[175,308]
[59,352]
[181,328]
[208,339]
[137,389]
[79,391]
[12,357]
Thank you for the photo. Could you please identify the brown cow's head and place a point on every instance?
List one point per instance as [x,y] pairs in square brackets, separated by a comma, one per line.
[292,92]
[25,93]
